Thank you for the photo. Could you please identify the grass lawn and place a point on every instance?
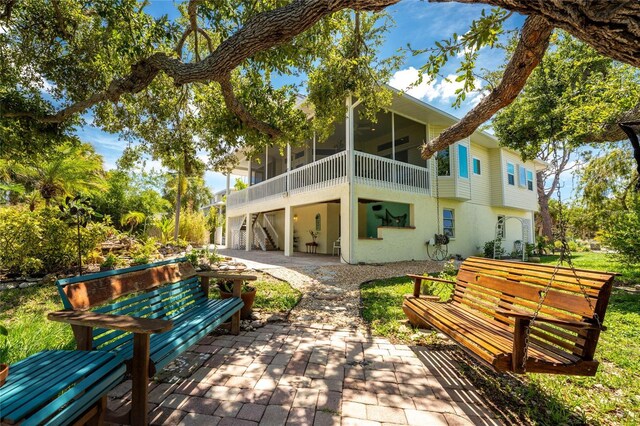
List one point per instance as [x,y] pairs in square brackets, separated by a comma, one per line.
[24,311]
[611,397]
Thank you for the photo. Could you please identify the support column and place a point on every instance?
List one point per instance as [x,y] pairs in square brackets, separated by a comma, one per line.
[249,221]
[227,231]
[288,165]
[266,163]
[314,146]
[352,204]
[288,231]
[393,146]
[249,172]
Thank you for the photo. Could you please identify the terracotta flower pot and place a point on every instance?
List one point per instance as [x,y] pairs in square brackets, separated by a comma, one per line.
[4,373]
[247,297]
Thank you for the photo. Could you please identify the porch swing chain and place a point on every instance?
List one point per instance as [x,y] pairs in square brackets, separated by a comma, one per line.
[565,256]
[437,201]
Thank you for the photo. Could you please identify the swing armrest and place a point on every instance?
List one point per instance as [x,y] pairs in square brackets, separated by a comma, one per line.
[556,321]
[417,282]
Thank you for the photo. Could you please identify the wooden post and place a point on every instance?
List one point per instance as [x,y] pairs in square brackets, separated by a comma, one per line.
[235,319]
[417,283]
[204,284]
[519,334]
[83,336]
[140,379]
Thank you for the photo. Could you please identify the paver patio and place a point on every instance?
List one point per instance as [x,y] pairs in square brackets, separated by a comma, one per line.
[313,375]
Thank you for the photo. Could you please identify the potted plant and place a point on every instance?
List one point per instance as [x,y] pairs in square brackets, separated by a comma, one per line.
[247,294]
[314,236]
[4,368]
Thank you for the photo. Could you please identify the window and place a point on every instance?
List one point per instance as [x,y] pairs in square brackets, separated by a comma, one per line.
[522,176]
[529,180]
[448,223]
[511,174]
[444,162]
[463,161]
[477,170]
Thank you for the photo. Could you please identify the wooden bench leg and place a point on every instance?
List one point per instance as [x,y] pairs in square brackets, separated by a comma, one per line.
[519,334]
[235,319]
[140,379]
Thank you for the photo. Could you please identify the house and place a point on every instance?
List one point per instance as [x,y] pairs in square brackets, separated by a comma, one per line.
[368,187]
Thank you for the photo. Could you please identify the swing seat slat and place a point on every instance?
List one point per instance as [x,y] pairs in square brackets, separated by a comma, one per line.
[492,306]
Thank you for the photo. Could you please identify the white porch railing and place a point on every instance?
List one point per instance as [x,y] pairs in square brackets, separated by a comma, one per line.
[386,173]
[323,173]
[369,169]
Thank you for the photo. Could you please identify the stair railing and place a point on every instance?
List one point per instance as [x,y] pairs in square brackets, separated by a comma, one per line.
[272,231]
[259,236]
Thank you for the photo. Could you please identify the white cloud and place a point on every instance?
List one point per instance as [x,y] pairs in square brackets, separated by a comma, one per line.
[443,89]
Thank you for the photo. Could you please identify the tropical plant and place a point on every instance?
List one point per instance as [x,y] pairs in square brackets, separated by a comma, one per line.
[67,170]
[132,219]
[193,227]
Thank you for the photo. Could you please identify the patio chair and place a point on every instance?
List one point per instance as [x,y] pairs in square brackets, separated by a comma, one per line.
[336,245]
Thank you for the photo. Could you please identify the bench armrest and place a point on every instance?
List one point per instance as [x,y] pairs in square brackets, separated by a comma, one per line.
[226,276]
[556,321]
[417,282]
[112,322]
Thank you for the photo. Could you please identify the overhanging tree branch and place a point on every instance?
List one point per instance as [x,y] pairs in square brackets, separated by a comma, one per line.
[235,106]
[612,27]
[262,32]
[534,40]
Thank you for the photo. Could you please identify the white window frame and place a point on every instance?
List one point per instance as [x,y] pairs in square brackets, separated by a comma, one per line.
[473,166]
[522,176]
[533,175]
[453,220]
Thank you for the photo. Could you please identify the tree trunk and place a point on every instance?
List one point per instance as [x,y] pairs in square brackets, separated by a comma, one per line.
[545,215]
[178,204]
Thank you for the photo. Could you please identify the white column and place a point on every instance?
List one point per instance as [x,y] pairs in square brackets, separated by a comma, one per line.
[393,146]
[266,163]
[393,136]
[227,231]
[314,146]
[249,238]
[288,165]
[288,231]
[249,173]
[351,203]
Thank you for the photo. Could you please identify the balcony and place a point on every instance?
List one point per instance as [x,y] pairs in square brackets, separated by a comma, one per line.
[369,170]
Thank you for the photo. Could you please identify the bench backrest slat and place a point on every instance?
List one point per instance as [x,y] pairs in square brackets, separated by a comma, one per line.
[97,289]
[487,285]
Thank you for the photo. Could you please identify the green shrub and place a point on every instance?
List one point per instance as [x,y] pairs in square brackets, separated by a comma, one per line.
[621,234]
[193,227]
[488,248]
[145,252]
[40,241]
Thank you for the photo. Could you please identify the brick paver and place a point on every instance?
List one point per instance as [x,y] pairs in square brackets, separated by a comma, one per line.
[289,374]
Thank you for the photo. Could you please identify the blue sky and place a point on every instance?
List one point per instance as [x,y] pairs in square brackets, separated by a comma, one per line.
[416,22]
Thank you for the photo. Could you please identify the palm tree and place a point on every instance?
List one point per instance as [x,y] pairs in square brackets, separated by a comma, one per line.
[68,170]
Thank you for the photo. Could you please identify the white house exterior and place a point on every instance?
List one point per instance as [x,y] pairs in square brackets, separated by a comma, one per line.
[368,186]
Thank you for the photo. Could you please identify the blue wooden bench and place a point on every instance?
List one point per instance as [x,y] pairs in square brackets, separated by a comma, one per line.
[147,314]
[60,388]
